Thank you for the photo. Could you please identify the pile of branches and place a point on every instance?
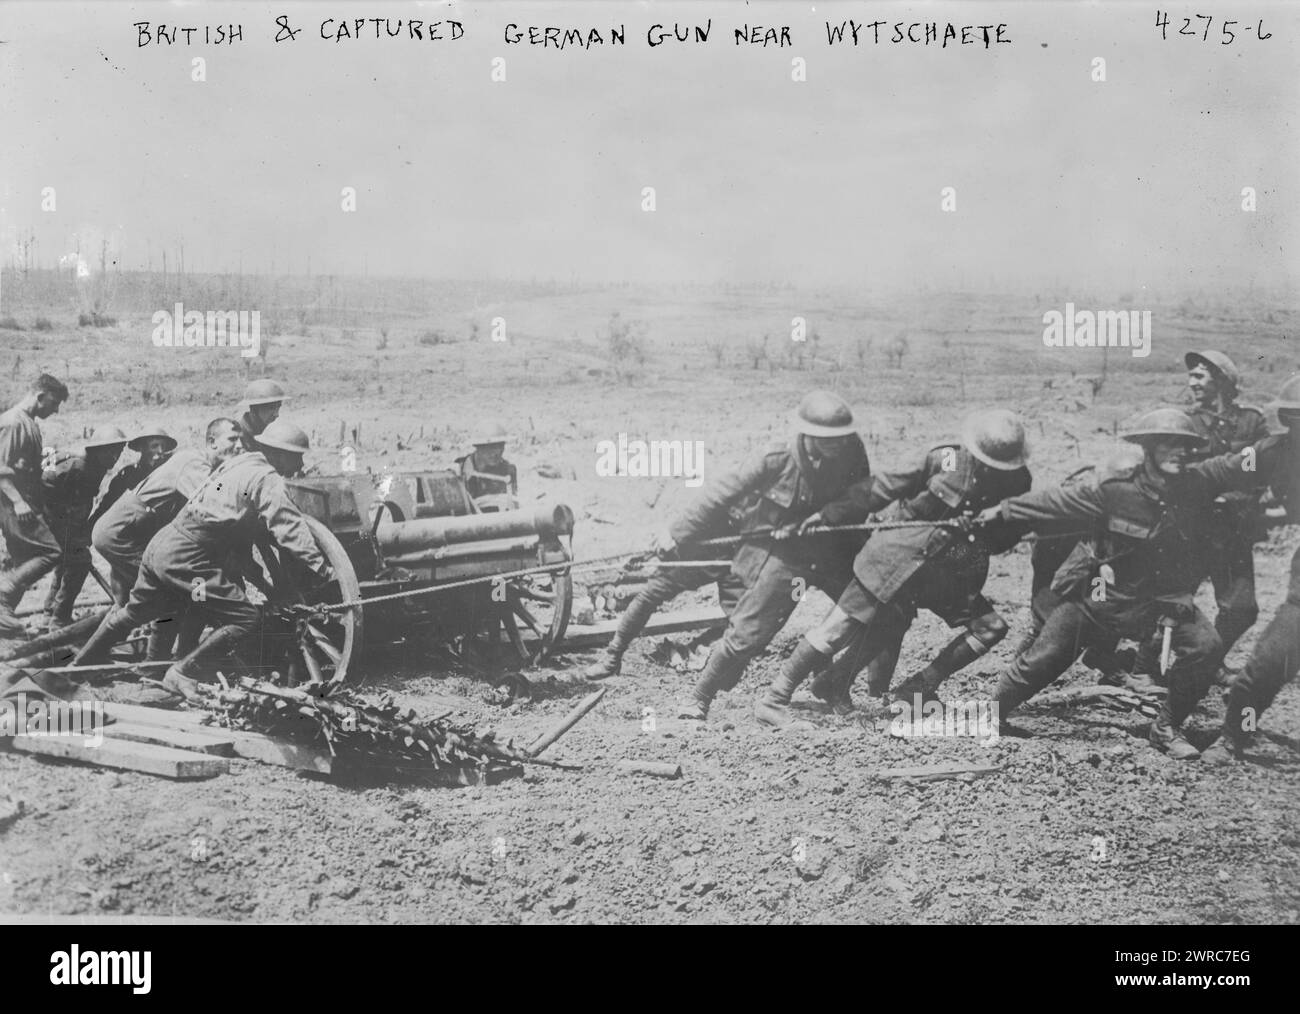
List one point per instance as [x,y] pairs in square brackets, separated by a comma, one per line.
[364,736]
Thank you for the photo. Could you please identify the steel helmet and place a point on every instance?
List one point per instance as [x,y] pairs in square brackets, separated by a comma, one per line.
[150,432]
[494,434]
[284,436]
[997,438]
[823,414]
[106,436]
[1220,365]
[263,392]
[1163,422]
[1288,399]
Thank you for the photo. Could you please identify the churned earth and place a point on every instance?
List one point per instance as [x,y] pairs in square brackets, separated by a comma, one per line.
[1083,822]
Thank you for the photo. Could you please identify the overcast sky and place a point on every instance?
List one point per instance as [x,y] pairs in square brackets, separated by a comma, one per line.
[833,180]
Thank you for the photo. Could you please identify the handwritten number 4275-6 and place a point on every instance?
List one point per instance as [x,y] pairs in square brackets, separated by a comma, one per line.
[1192,29]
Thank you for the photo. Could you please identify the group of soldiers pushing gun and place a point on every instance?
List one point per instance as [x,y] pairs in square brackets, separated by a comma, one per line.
[1120,550]
[1120,553]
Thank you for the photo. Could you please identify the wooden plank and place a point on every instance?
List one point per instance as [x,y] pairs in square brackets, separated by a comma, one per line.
[669,623]
[249,745]
[934,772]
[254,746]
[142,714]
[154,760]
[200,740]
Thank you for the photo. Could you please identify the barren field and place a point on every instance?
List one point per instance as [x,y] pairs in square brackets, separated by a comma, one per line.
[1083,823]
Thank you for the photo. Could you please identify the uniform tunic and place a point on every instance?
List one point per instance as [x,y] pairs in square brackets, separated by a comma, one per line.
[1238,521]
[70,488]
[782,486]
[221,520]
[1142,563]
[125,528]
[1275,658]
[21,451]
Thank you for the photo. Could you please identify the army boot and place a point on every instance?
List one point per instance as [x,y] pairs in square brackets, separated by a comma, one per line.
[630,625]
[14,582]
[111,629]
[722,672]
[773,708]
[1167,738]
[1233,739]
[180,677]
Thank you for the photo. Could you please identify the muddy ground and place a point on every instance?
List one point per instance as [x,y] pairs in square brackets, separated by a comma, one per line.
[1082,823]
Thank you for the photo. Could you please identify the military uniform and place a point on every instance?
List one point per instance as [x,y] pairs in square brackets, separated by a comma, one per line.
[1238,521]
[936,568]
[33,548]
[1149,539]
[125,528]
[1275,658]
[488,480]
[70,489]
[222,518]
[781,487]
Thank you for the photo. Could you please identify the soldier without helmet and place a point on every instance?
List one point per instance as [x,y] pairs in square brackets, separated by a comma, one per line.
[1228,426]
[33,549]
[900,571]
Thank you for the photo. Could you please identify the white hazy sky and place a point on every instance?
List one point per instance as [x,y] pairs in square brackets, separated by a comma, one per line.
[835,180]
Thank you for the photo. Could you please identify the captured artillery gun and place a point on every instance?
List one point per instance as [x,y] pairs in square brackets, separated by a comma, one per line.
[392,541]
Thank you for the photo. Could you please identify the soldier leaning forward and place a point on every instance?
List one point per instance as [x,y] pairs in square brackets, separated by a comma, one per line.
[1276,655]
[124,530]
[242,497]
[783,486]
[71,486]
[33,549]
[1136,573]
[937,567]
[1238,517]
[153,445]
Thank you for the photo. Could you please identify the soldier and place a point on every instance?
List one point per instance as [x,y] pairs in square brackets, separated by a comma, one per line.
[900,571]
[124,530]
[194,551]
[70,488]
[261,407]
[33,549]
[152,445]
[1134,575]
[782,486]
[1213,380]
[1276,656]
[488,475]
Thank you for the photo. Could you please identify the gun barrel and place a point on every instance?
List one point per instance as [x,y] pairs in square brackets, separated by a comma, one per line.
[397,538]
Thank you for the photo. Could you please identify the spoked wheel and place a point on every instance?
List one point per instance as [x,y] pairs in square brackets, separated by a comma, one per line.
[536,613]
[320,648]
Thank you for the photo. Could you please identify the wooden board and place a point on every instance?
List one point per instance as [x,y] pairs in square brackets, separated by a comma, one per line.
[669,623]
[200,740]
[146,757]
[141,714]
[934,772]
[249,745]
